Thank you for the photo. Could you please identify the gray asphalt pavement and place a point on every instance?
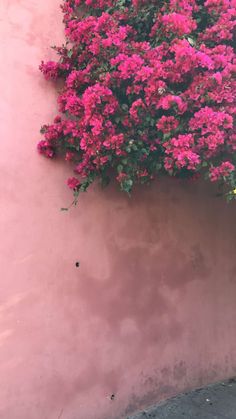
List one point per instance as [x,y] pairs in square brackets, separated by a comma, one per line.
[213,402]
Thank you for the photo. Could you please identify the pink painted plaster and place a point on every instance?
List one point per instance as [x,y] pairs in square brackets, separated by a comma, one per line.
[150,311]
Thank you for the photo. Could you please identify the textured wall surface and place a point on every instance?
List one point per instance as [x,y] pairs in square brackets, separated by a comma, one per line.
[150,311]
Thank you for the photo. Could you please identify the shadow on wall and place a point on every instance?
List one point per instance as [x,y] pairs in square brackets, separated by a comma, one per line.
[158,242]
[154,244]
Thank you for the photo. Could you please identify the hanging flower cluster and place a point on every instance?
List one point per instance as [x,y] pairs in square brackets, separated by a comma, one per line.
[149,88]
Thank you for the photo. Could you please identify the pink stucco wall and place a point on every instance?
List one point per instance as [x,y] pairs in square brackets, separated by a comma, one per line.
[152,309]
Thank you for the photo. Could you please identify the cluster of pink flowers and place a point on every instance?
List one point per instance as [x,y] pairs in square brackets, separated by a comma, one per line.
[182,152]
[223,170]
[148,89]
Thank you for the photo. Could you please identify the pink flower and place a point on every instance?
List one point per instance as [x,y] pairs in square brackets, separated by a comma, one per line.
[176,24]
[136,110]
[121,177]
[168,101]
[167,124]
[73,183]
[181,152]
[223,170]
[69,156]
[50,70]
[46,149]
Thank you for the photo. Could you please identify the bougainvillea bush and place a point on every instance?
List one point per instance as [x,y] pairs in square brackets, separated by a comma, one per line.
[149,89]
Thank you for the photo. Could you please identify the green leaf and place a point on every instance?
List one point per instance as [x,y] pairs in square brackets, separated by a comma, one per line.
[152,122]
[166,136]
[127,185]
[191,41]
[119,168]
